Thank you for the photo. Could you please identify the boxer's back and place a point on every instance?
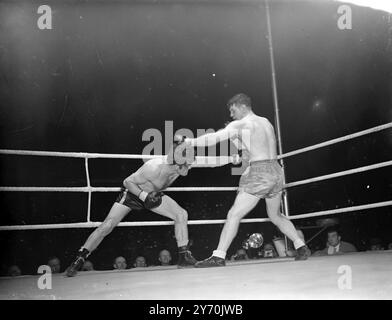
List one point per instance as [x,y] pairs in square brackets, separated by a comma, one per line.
[258,137]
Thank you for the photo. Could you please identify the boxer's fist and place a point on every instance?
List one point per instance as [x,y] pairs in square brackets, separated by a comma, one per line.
[179,139]
[153,200]
[236,159]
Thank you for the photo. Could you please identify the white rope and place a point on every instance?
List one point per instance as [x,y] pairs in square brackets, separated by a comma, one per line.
[76,154]
[193,222]
[197,189]
[138,156]
[212,160]
[106,189]
[343,210]
[340,174]
[88,186]
[333,141]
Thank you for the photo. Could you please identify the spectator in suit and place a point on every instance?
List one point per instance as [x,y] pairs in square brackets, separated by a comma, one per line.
[335,245]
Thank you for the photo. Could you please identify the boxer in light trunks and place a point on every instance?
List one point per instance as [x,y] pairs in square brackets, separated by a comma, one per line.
[263,179]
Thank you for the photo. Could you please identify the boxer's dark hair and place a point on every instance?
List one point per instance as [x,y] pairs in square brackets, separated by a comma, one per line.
[240,98]
[172,153]
[333,229]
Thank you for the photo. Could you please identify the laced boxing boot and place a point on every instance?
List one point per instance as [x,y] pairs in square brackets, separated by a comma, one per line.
[211,262]
[73,269]
[303,253]
[185,258]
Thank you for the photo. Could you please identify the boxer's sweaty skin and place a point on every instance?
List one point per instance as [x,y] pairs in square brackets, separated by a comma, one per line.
[154,175]
[255,134]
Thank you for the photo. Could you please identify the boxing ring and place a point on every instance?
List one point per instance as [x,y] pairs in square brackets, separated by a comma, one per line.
[281,278]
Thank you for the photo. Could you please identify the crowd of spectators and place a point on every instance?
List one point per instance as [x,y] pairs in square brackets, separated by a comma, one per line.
[335,244]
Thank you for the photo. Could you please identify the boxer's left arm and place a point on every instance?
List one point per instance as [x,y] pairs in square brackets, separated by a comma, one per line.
[210,139]
[212,162]
[140,177]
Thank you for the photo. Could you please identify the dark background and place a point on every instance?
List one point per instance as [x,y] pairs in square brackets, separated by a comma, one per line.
[108,71]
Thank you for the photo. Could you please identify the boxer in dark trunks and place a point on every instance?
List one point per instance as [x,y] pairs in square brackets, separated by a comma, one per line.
[143,190]
[263,179]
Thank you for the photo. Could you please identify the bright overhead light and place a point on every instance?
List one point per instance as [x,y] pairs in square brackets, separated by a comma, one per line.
[385,5]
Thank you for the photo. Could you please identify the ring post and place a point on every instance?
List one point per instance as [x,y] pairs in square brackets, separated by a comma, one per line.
[88,186]
[285,203]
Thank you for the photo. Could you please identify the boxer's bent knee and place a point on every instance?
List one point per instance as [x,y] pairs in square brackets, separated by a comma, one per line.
[107,226]
[181,216]
[233,215]
[276,218]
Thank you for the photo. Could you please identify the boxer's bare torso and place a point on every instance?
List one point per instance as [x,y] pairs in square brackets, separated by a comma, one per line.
[256,137]
[156,175]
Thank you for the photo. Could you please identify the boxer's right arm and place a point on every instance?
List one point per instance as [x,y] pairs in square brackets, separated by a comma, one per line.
[140,177]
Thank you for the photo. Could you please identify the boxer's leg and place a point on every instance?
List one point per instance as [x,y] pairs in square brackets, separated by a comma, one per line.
[286,226]
[171,209]
[116,214]
[243,204]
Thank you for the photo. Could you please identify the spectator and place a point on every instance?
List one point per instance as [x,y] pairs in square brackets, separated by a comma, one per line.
[390,246]
[239,255]
[14,271]
[54,264]
[269,251]
[88,266]
[376,244]
[334,244]
[165,257]
[140,262]
[120,263]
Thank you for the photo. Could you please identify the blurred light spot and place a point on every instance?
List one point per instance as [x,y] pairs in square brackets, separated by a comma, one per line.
[317,105]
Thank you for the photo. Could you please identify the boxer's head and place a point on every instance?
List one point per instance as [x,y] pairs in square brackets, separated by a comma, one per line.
[182,156]
[239,106]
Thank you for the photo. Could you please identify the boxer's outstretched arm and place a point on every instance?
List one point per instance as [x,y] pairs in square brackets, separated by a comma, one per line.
[210,139]
[211,162]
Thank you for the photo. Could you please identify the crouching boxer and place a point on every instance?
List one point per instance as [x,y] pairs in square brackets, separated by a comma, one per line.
[142,190]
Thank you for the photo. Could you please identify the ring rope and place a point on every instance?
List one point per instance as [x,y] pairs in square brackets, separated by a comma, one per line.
[89,192]
[115,189]
[138,156]
[333,141]
[339,174]
[193,222]
[90,189]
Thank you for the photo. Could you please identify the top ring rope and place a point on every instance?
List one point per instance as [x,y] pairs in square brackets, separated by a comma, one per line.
[139,156]
[333,141]
[90,189]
